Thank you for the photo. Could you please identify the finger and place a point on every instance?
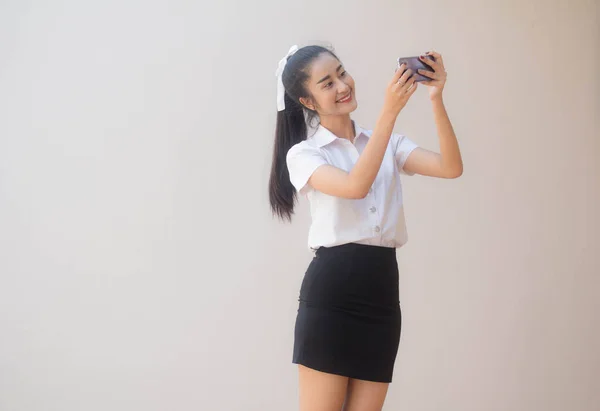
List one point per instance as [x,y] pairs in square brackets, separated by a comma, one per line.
[399,72]
[435,65]
[434,54]
[429,74]
[401,67]
[440,75]
[437,56]
[404,78]
[412,80]
[428,83]
[412,89]
[410,84]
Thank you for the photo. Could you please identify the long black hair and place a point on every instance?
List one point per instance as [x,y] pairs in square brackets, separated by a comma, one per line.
[291,127]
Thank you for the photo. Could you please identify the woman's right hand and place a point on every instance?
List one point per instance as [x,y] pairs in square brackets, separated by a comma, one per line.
[399,90]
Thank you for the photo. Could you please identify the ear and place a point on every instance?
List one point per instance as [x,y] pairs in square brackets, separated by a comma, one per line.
[307,102]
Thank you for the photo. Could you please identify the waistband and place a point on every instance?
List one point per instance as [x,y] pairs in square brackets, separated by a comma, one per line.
[356,247]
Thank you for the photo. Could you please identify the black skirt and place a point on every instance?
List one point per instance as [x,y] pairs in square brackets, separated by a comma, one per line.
[349,317]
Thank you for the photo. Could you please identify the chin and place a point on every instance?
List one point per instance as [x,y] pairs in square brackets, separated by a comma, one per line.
[352,107]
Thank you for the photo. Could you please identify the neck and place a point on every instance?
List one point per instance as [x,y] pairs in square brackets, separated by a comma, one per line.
[341,126]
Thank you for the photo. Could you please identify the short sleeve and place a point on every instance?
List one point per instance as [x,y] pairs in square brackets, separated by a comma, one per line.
[302,161]
[403,147]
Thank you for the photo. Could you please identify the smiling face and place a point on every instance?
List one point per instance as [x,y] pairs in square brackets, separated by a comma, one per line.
[331,87]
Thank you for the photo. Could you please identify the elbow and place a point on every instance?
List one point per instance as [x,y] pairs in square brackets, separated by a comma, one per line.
[455,173]
[358,193]
[451,172]
[355,190]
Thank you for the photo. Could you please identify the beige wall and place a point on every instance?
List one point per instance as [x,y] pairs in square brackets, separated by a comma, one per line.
[140,268]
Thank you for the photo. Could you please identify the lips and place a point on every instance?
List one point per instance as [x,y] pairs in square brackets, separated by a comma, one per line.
[346,98]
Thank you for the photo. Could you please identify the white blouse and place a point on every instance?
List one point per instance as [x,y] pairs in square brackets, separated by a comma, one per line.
[377,219]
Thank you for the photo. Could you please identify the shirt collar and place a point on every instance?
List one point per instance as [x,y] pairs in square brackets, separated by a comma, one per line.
[323,136]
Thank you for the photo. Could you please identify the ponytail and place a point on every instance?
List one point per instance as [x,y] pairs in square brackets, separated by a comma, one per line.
[290,130]
[291,127]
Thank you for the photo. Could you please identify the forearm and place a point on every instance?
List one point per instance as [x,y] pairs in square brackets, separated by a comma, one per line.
[368,164]
[451,160]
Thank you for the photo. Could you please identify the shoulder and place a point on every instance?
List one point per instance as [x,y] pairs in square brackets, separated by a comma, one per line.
[305,147]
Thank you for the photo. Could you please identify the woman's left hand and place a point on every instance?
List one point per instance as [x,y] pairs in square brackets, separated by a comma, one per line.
[438,76]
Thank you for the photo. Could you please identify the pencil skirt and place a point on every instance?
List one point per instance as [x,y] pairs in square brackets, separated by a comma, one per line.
[349,319]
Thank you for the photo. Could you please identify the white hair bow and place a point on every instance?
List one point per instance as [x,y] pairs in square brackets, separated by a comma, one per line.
[279,74]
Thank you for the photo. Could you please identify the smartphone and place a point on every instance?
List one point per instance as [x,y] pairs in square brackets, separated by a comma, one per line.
[414,64]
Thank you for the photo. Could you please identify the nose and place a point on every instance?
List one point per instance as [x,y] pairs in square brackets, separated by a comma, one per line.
[343,89]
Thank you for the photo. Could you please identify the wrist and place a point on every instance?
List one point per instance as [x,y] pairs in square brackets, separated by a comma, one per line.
[437,98]
[388,113]
[388,116]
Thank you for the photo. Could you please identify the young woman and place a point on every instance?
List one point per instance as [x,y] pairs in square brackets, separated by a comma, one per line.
[348,324]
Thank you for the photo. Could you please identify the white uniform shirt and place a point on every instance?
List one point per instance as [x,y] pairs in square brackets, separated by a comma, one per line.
[377,219]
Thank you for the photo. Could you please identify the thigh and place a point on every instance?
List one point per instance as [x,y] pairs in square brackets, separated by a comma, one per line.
[321,391]
[365,395]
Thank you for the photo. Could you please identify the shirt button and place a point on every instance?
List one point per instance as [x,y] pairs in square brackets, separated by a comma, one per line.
[373,209]
[377,229]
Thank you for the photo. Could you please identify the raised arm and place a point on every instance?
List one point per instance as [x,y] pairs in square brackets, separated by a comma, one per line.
[356,183]
[448,162]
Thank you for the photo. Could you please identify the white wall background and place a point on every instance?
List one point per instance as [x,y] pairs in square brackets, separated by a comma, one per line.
[140,268]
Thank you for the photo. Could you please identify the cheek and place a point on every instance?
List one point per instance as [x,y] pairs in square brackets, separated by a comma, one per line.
[322,99]
[350,82]
[328,97]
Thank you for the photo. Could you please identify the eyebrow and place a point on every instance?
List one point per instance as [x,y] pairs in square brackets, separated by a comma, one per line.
[327,77]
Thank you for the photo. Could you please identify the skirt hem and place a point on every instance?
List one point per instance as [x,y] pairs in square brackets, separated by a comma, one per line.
[341,373]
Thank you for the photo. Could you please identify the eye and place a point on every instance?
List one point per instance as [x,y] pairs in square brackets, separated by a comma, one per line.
[343,74]
[328,84]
